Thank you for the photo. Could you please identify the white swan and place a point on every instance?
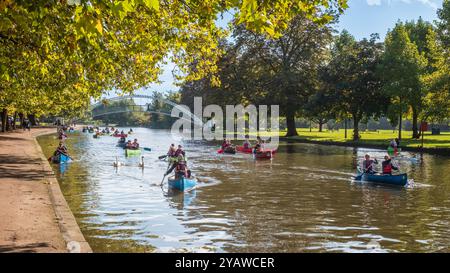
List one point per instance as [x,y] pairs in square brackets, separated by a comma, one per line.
[117,163]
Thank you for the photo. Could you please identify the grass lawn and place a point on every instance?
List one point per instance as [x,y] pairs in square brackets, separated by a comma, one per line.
[380,137]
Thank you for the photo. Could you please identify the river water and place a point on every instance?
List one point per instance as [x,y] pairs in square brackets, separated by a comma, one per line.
[303,200]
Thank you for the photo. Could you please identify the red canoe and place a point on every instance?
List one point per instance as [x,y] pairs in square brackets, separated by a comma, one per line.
[250,150]
[244,150]
[120,135]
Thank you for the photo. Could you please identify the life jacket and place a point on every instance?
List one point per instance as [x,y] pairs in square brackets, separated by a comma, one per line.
[179,152]
[246,145]
[368,164]
[387,167]
[182,168]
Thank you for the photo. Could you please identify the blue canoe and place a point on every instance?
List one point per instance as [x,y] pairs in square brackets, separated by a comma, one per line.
[182,183]
[61,158]
[397,180]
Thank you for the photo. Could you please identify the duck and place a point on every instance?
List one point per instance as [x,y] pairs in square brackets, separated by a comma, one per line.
[141,164]
[117,163]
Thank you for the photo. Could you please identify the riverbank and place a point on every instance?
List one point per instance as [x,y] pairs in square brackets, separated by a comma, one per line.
[35,215]
[433,144]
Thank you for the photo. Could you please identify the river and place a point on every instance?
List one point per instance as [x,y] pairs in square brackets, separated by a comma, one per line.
[303,200]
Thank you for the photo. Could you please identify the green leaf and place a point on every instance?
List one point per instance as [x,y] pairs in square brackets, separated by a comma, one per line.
[153,4]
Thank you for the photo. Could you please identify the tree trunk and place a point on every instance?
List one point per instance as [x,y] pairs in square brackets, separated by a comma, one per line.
[14,121]
[4,119]
[320,125]
[21,119]
[355,127]
[290,122]
[400,127]
[32,119]
[415,135]
[345,126]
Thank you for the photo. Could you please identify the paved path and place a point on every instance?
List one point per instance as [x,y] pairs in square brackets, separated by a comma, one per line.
[34,216]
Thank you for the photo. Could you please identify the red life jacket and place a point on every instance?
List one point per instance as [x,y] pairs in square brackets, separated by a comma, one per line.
[181,167]
[387,168]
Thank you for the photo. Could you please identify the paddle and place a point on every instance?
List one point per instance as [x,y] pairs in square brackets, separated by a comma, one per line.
[162,157]
[162,181]
[147,149]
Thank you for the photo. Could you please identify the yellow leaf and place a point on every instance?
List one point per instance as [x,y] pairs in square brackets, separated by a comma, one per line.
[99,26]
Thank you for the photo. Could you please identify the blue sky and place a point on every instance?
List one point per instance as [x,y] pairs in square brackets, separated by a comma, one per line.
[362,18]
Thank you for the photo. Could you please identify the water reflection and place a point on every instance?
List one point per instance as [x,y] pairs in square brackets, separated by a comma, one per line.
[302,200]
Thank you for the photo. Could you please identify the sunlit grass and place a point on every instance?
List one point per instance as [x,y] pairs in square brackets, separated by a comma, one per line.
[380,137]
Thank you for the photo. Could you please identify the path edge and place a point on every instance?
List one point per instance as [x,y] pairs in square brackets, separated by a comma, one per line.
[68,226]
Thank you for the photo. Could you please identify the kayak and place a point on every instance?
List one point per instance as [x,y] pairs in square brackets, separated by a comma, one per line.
[130,152]
[61,158]
[120,135]
[397,180]
[182,183]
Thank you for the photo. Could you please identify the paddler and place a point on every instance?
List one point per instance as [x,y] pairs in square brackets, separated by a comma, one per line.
[61,149]
[225,144]
[180,151]
[172,151]
[180,167]
[368,164]
[246,143]
[387,165]
[135,144]
[129,145]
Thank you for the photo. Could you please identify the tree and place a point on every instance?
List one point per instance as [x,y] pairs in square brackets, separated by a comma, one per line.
[401,70]
[287,66]
[52,50]
[353,77]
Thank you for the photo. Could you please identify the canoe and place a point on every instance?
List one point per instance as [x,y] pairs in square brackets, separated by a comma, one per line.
[61,158]
[268,154]
[229,150]
[120,135]
[397,180]
[130,152]
[391,151]
[244,150]
[182,183]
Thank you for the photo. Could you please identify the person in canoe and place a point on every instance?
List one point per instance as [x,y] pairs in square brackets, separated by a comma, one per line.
[394,145]
[180,151]
[246,144]
[131,131]
[122,140]
[180,167]
[388,166]
[172,151]
[116,132]
[135,144]
[129,145]
[62,135]
[368,164]
[61,149]
[225,144]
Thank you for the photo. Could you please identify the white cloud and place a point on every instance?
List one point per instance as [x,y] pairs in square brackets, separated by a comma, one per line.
[431,3]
